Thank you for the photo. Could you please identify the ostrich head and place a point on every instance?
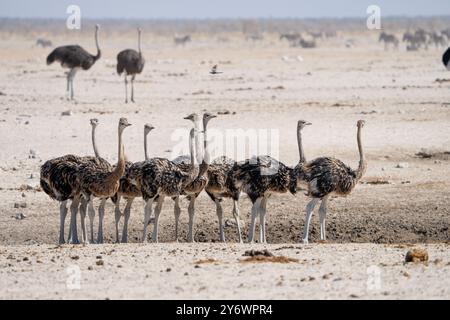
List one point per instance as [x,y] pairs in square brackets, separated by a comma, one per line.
[148,127]
[360,123]
[302,123]
[206,117]
[192,117]
[94,122]
[123,123]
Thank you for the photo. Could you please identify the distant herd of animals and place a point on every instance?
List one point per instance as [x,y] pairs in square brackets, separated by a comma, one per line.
[131,62]
[419,39]
[83,178]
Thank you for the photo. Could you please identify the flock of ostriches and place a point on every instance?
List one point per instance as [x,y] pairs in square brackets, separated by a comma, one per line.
[83,178]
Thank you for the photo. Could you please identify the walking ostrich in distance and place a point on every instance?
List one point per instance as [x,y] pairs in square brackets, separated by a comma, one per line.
[327,176]
[129,191]
[74,57]
[130,62]
[262,176]
[446,59]
[98,181]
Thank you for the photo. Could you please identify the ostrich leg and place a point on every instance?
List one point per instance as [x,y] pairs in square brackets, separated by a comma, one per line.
[158,208]
[83,208]
[236,218]
[72,75]
[101,216]
[177,213]
[262,221]
[255,210]
[322,216]
[132,88]
[126,89]
[147,214]
[191,211]
[117,215]
[219,212]
[68,85]
[127,212]
[91,212]
[309,211]
[62,219]
[73,238]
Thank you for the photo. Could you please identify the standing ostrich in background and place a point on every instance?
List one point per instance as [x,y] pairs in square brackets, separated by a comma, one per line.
[129,191]
[446,59]
[130,62]
[101,182]
[327,176]
[74,57]
[262,176]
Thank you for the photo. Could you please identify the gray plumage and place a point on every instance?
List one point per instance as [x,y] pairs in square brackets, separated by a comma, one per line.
[446,59]
[130,62]
[74,57]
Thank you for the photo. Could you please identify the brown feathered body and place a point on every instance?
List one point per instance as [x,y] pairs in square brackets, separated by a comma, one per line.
[328,175]
[59,176]
[261,176]
[127,189]
[160,176]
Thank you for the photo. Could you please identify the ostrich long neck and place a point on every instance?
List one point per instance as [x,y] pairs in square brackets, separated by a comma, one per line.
[99,53]
[119,170]
[145,146]
[300,146]
[139,42]
[198,142]
[192,169]
[94,144]
[205,162]
[362,161]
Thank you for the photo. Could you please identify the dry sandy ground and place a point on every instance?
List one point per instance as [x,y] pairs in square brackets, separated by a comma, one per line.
[268,87]
[204,271]
[217,271]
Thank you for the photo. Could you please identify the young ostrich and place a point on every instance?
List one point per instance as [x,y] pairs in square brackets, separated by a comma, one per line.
[98,181]
[262,176]
[74,57]
[129,191]
[99,161]
[446,59]
[162,178]
[220,186]
[193,189]
[131,62]
[58,179]
[329,176]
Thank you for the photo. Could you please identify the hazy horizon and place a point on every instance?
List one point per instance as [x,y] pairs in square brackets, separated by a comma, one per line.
[231,9]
